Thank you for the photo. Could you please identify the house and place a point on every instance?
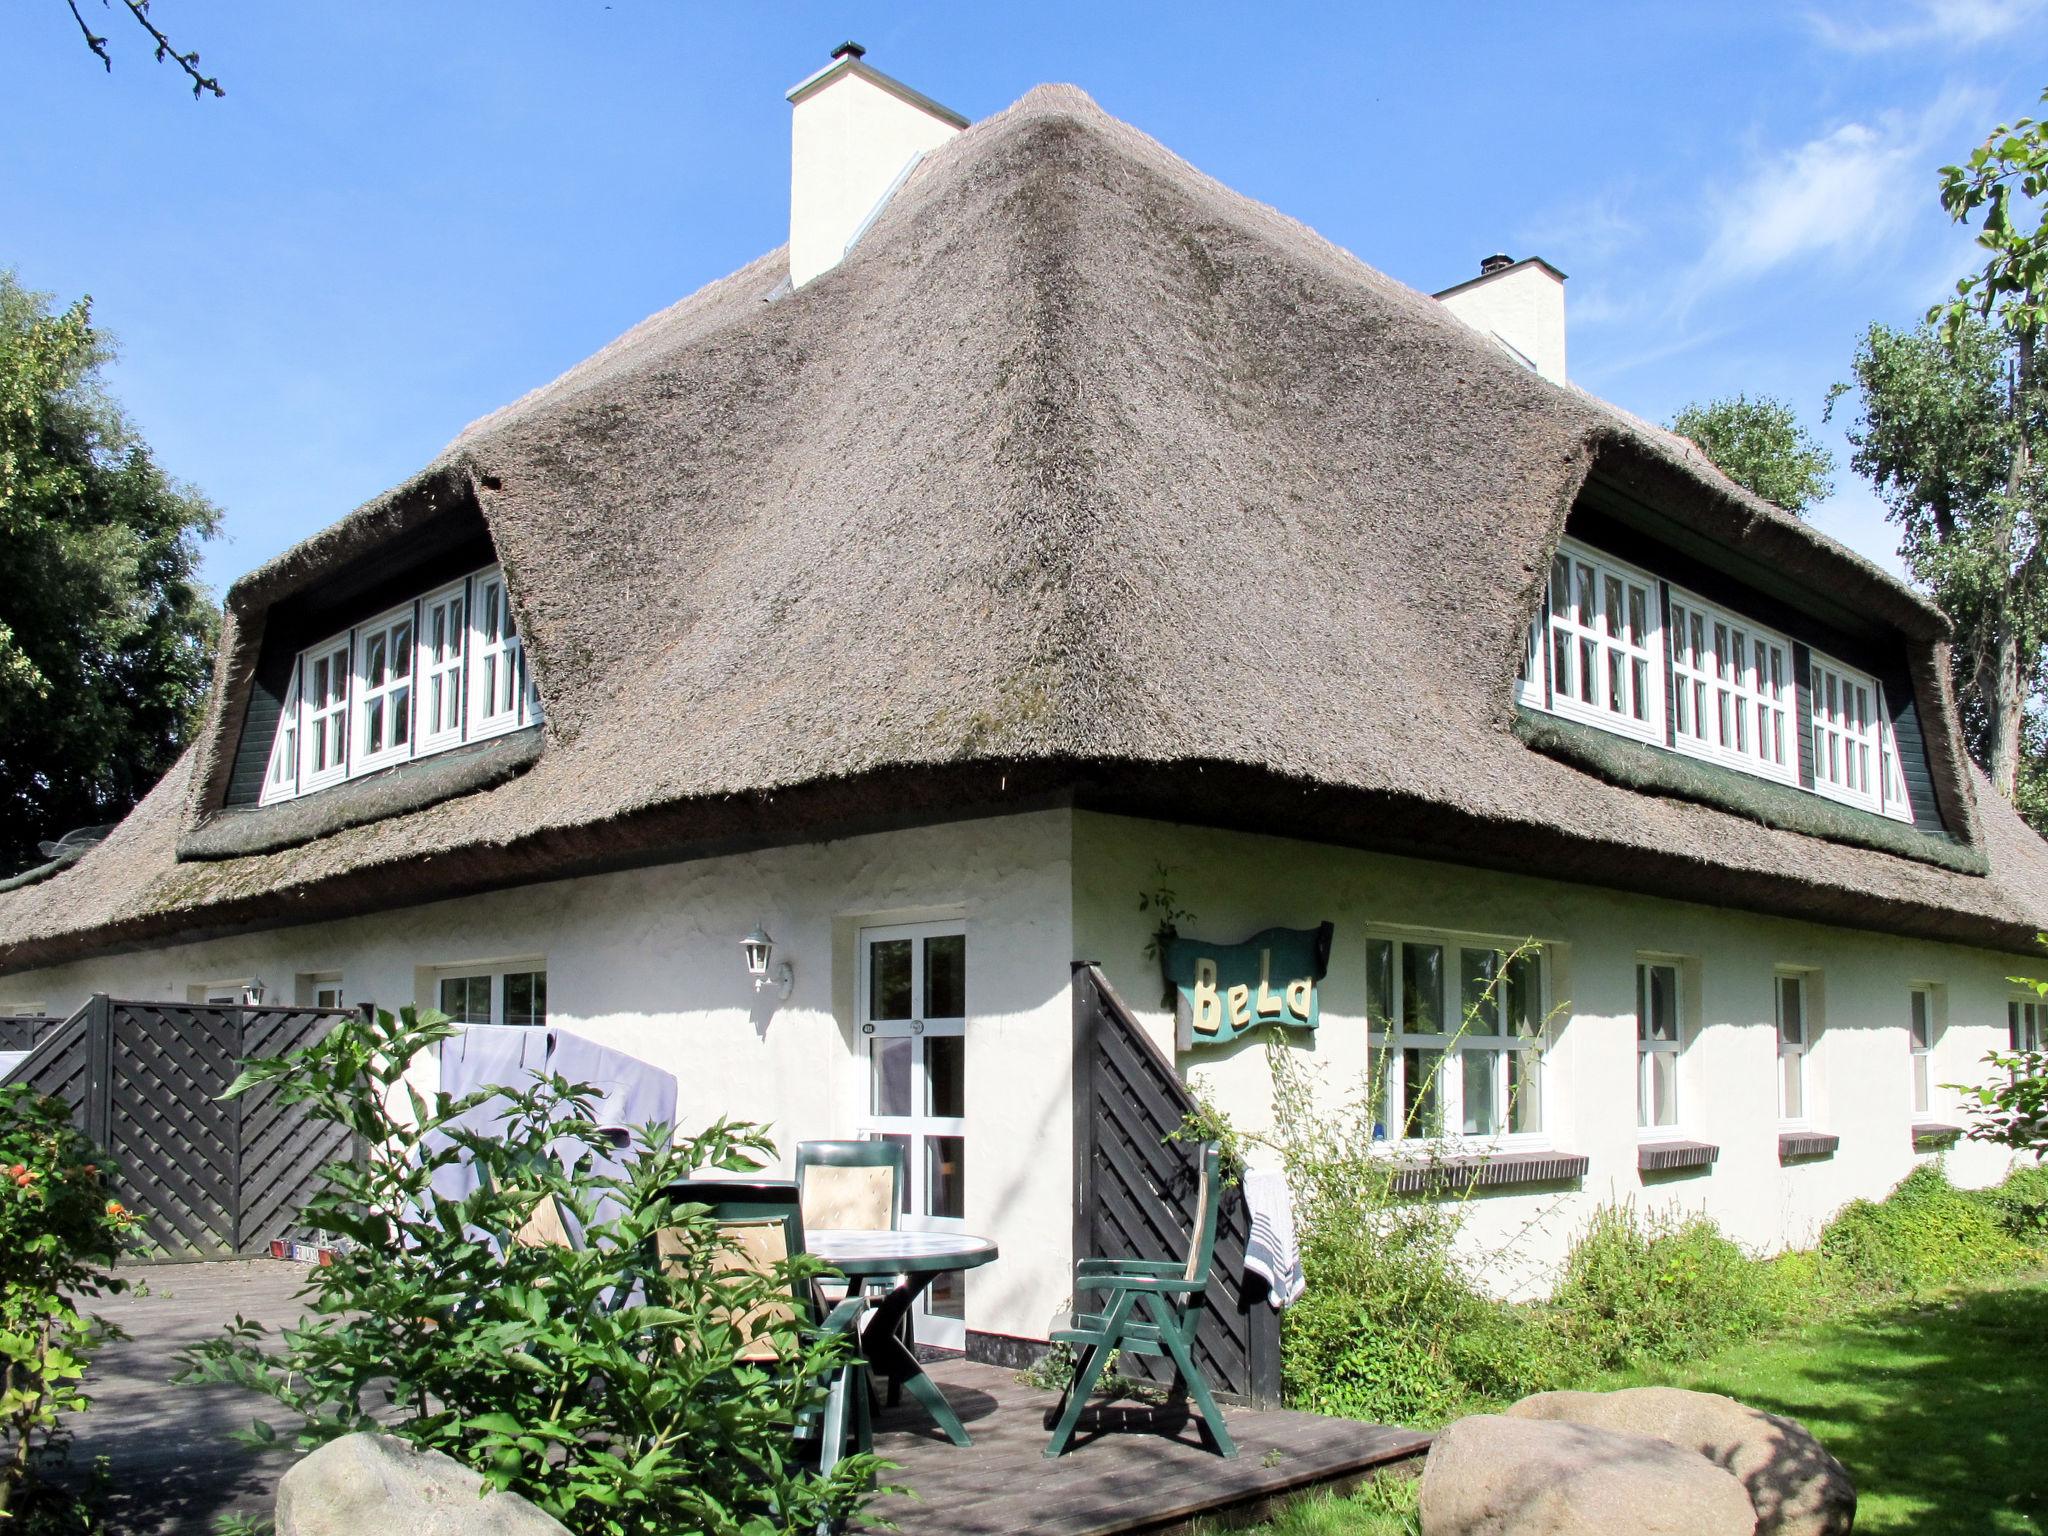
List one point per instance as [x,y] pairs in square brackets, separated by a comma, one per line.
[1047,526]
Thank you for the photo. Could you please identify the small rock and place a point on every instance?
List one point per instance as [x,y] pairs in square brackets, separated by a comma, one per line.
[1491,1475]
[376,1483]
[1797,1488]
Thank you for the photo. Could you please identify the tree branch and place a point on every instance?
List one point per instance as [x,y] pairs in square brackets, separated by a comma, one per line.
[139,9]
[93,41]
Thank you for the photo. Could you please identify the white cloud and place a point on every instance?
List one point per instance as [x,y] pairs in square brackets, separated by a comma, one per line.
[1841,195]
[1923,23]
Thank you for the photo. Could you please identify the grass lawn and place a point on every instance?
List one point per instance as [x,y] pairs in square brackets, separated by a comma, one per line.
[1938,1409]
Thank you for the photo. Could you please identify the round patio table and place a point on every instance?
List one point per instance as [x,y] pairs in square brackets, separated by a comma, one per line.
[915,1259]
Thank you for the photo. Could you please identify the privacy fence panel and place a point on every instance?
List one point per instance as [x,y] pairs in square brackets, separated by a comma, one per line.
[210,1178]
[1136,1190]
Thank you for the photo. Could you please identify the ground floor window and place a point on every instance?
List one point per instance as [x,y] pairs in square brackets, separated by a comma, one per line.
[2027,1025]
[517,994]
[1920,1030]
[1657,1045]
[1793,1039]
[914,1041]
[1456,1031]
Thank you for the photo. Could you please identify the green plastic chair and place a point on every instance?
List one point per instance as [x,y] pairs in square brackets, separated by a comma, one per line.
[1149,1307]
[745,1211]
[831,1201]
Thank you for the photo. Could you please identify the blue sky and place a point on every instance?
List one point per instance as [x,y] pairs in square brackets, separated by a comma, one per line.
[404,215]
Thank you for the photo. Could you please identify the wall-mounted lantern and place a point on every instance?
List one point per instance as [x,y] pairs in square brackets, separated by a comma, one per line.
[252,994]
[759,950]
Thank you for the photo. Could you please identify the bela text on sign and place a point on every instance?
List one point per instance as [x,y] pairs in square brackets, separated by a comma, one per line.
[1223,990]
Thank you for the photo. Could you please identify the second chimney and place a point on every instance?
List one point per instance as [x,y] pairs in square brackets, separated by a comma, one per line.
[854,135]
[1520,304]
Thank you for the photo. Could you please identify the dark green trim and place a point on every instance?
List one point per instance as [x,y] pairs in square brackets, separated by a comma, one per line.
[1655,770]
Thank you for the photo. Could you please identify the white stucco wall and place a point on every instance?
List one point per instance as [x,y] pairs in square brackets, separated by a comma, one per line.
[649,961]
[1858,1074]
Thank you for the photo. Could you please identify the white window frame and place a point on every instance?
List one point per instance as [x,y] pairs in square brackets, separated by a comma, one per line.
[338,653]
[497,652]
[1651,1047]
[1855,754]
[233,993]
[1923,1029]
[1617,647]
[23,1011]
[1736,681]
[397,692]
[495,971]
[449,670]
[1794,1054]
[300,717]
[1515,1071]
[281,773]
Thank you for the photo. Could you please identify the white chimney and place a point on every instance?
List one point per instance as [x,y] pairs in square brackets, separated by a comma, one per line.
[855,135]
[1520,304]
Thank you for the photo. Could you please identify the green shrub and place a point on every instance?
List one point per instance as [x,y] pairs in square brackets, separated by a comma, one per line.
[2021,1204]
[1639,1288]
[610,1382]
[1925,1234]
[59,1236]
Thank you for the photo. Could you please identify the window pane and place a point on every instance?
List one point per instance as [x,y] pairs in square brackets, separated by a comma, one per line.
[1920,1028]
[466,999]
[1478,1013]
[1524,999]
[1638,624]
[1662,1071]
[1791,1011]
[1525,1096]
[1422,989]
[889,979]
[948,1295]
[945,976]
[945,1068]
[1792,1101]
[1420,1115]
[1379,984]
[889,1075]
[1481,1069]
[945,1175]
[1921,1096]
[526,997]
[1663,1021]
[902,1144]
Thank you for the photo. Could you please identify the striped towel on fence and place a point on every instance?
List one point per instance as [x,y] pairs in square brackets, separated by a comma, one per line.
[1272,1254]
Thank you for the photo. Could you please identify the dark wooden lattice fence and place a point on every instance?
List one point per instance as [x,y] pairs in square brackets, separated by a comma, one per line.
[19,1032]
[1136,1191]
[210,1178]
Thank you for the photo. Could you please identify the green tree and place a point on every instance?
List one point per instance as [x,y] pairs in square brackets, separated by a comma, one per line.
[1760,445]
[106,635]
[1951,421]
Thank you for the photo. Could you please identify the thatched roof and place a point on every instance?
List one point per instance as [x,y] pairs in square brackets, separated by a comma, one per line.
[1083,478]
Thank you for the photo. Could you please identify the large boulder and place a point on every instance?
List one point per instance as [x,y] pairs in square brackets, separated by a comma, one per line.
[1491,1475]
[1797,1488]
[373,1483]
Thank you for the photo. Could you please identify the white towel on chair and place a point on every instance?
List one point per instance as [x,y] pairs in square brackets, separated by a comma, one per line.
[1272,1253]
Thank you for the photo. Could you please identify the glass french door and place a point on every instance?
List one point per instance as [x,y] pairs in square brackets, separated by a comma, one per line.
[913,1023]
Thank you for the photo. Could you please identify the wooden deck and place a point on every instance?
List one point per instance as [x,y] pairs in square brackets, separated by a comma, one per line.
[174,1469]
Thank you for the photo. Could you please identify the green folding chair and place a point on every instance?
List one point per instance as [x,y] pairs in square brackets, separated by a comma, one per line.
[857,1186]
[1149,1307]
[765,1224]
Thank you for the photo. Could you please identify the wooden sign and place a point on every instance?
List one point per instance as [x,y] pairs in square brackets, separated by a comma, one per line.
[1223,990]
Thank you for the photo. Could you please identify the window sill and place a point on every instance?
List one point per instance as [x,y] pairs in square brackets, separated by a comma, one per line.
[1931,1135]
[1675,1156]
[1501,1170]
[1798,1146]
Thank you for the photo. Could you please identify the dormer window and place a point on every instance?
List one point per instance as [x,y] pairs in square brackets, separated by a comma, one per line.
[1617,647]
[431,674]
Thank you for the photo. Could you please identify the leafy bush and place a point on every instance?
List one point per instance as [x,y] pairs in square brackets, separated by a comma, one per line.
[59,1235]
[2021,1204]
[1926,1233]
[602,1382]
[1638,1288]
